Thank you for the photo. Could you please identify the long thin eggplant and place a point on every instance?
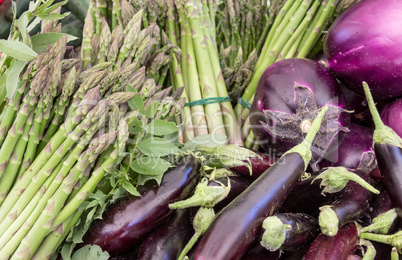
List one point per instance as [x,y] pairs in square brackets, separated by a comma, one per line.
[334,248]
[167,241]
[289,231]
[236,227]
[388,151]
[128,221]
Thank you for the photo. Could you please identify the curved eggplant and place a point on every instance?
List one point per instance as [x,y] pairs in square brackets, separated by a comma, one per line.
[127,222]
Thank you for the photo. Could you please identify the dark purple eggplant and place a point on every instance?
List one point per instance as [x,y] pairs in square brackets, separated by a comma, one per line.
[127,222]
[391,115]
[337,247]
[306,197]
[167,241]
[350,152]
[287,99]
[382,204]
[238,225]
[259,252]
[215,193]
[352,204]
[258,165]
[388,151]
[289,231]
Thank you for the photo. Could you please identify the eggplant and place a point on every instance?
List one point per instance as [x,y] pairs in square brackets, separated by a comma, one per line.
[388,151]
[340,246]
[391,115]
[259,252]
[363,44]
[288,97]
[167,241]
[238,225]
[352,204]
[289,231]
[129,220]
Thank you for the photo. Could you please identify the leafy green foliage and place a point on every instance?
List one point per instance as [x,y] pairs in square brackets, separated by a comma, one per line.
[90,252]
[17,50]
[40,41]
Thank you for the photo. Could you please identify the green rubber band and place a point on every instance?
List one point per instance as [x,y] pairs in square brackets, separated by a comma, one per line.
[244,103]
[207,101]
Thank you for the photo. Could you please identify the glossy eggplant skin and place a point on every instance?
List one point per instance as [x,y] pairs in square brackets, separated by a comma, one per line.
[389,159]
[382,204]
[304,229]
[338,247]
[237,185]
[257,251]
[127,222]
[238,225]
[307,198]
[258,165]
[168,240]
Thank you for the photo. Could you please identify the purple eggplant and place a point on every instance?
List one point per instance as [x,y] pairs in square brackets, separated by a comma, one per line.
[259,252]
[167,241]
[391,115]
[236,227]
[129,220]
[353,203]
[363,44]
[287,99]
[388,151]
[289,231]
[306,197]
[349,154]
[258,165]
[334,248]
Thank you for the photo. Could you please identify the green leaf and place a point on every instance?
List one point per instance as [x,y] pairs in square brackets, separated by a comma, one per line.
[142,179]
[22,26]
[17,50]
[130,188]
[135,126]
[13,76]
[157,147]
[161,127]
[53,16]
[152,109]
[3,79]
[150,165]
[136,103]
[40,41]
[206,140]
[91,252]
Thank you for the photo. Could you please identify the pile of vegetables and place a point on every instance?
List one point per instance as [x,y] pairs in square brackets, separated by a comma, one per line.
[200,129]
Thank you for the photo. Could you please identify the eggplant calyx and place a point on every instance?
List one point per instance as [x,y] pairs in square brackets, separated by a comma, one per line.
[293,127]
[275,233]
[382,223]
[204,195]
[394,240]
[383,134]
[328,221]
[304,148]
[334,179]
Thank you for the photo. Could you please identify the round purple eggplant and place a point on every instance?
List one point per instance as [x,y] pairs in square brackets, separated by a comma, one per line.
[391,115]
[129,220]
[364,44]
[288,96]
